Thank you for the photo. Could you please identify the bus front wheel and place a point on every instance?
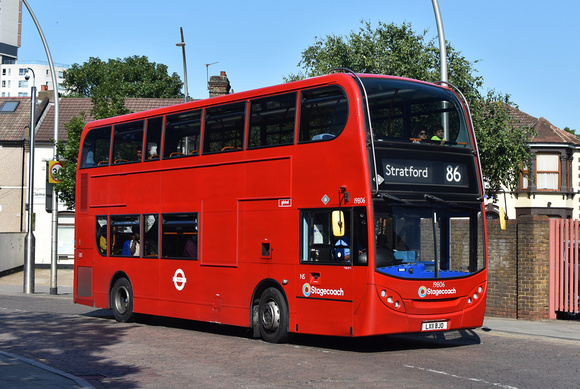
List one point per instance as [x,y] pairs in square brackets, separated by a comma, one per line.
[122,300]
[273,316]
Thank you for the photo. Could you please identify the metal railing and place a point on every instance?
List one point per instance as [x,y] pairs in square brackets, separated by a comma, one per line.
[564,267]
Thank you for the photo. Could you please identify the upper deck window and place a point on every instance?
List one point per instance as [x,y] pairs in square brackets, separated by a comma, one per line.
[153,143]
[224,128]
[413,112]
[272,121]
[323,113]
[128,142]
[182,134]
[96,148]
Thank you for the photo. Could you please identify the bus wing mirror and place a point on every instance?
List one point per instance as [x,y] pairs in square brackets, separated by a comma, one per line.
[338,223]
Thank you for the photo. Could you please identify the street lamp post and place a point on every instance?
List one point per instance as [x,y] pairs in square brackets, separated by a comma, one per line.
[443,61]
[182,45]
[29,240]
[54,222]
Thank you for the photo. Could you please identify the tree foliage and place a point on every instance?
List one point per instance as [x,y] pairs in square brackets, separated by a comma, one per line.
[130,77]
[107,84]
[68,152]
[399,51]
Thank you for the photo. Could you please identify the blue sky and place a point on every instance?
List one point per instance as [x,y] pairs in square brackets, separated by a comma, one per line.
[526,48]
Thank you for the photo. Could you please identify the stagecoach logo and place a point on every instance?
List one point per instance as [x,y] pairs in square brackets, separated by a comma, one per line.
[424,291]
[307,290]
[179,279]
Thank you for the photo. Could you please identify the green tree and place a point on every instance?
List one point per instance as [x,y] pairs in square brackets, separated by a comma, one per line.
[68,152]
[107,84]
[399,51]
[130,77]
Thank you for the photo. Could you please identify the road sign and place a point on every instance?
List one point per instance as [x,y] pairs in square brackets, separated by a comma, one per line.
[53,167]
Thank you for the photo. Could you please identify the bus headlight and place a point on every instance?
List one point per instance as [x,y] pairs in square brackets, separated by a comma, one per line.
[391,299]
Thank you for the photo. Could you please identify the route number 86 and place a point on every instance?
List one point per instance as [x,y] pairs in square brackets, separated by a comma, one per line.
[453,174]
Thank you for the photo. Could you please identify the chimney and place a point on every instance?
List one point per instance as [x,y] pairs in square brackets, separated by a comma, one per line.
[219,85]
[45,93]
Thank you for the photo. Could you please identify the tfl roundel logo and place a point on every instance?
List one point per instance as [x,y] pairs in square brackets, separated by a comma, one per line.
[422,291]
[306,289]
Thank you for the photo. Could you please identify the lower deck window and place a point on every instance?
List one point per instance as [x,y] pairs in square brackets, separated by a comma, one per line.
[179,235]
[125,236]
[321,245]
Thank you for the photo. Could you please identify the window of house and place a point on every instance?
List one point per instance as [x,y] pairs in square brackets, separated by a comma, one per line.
[22,71]
[548,171]
[524,177]
[9,106]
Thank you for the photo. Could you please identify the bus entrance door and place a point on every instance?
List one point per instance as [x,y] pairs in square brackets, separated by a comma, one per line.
[324,301]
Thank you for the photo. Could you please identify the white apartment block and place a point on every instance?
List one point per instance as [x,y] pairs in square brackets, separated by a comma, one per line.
[13,82]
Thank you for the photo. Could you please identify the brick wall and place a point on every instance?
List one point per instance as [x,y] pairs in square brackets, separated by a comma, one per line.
[518,268]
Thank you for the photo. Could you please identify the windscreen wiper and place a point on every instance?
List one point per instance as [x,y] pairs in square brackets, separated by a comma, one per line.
[387,196]
[435,199]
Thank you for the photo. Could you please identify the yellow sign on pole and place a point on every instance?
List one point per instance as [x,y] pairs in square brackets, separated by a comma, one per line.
[53,167]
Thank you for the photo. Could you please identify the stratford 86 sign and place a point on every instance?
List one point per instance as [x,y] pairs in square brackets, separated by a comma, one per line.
[405,171]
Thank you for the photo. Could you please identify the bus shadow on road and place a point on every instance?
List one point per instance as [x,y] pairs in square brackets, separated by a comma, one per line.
[380,343]
[385,343]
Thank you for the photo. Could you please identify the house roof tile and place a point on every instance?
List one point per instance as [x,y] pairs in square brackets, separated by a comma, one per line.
[13,124]
[69,107]
[546,132]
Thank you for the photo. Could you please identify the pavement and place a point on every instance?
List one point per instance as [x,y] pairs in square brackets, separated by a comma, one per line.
[19,372]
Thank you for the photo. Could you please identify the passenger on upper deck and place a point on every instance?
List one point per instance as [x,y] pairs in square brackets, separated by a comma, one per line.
[422,135]
[439,135]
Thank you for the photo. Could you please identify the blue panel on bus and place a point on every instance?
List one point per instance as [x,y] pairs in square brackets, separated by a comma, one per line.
[418,270]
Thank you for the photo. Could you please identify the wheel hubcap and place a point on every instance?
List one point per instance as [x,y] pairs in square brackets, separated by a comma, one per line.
[122,300]
[271,316]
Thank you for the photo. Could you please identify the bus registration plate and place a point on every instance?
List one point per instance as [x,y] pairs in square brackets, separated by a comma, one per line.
[434,326]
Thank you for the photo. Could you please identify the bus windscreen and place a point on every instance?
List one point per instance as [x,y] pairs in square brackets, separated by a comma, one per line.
[416,113]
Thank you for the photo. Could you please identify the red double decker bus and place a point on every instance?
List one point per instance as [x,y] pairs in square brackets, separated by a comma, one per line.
[324,206]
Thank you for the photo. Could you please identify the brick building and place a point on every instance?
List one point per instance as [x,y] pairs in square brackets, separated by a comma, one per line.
[550,183]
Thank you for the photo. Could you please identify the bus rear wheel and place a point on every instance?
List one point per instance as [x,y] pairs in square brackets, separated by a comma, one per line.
[273,316]
[122,300]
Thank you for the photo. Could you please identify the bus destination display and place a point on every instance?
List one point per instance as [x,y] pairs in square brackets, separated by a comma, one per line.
[405,171]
